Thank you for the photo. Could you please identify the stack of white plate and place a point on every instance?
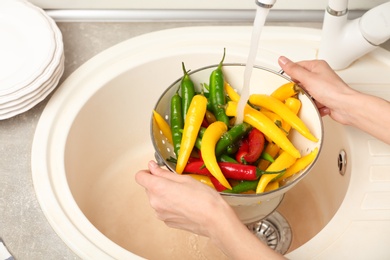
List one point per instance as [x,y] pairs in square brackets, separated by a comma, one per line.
[31,56]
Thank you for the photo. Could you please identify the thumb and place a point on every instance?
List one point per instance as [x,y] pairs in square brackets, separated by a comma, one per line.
[146,178]
[156,170]
[294,70]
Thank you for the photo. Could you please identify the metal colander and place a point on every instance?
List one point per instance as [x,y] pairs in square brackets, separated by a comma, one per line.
[249,207]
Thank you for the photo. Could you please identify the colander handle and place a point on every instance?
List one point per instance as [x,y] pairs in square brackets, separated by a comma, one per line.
[159,160]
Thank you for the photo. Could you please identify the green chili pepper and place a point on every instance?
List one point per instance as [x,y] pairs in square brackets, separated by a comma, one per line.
[201,131]
[206,87]
[217,93]
[232,136]
[171,159]
[187,91]
[176,121]
[267,156]
[243,186]
[232,148]
[198,141]
[227,158]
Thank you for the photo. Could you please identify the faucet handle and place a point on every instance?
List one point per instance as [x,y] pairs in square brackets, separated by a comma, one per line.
[337,7]
[343,41]
[375,24]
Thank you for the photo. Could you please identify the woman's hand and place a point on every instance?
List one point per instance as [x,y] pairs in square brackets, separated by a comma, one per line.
[323,84]
[185,203]
[336,99]
[181,201]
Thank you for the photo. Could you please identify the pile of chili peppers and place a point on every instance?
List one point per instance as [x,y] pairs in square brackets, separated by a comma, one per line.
[251,157]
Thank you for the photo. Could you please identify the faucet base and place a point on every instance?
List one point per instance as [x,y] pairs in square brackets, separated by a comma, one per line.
[342,42]
[345,41]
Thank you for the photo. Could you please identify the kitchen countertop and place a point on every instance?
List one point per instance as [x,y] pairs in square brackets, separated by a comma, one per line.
[23,226]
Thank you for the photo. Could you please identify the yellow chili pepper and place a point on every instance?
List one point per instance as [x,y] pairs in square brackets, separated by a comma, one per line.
[210,138]
[285,91]
[265,125]
[294,105]
[234,96]
[272,186]
[283,161]
[300,164]
[274,117]
[272,149]
[192,123]
[163,125]
[203,179]
[282,110]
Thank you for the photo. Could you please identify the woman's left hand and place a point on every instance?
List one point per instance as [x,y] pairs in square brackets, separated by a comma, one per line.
[181,201]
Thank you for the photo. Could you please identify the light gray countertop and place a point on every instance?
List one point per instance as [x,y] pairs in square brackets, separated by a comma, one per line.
[23,227]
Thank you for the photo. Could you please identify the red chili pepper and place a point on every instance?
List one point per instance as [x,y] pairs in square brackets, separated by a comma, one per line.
[239,172]
[256,145]
[230,170]
[200,155]
[242,151]
[217,185]
[194,159]
[197,167]
[205,123]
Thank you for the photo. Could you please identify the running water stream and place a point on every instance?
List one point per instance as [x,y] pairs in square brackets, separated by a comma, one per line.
[258,24]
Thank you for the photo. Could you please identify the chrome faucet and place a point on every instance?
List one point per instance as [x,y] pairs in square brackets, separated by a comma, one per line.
[343,41]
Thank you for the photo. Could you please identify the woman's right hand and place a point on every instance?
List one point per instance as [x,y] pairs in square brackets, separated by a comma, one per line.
[336,99]
[329,91]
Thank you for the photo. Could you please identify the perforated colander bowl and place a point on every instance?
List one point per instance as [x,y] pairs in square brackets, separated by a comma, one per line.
[249,207]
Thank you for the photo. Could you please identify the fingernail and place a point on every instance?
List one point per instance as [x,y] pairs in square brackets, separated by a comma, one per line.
[283,60]
[153,164]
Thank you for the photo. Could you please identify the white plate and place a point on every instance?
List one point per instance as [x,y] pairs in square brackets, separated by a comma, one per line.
[34,98]
[21,101]
[31,94]
[27,46]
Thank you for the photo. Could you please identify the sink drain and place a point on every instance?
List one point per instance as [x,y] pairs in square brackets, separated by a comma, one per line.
[274,231]
[342,162]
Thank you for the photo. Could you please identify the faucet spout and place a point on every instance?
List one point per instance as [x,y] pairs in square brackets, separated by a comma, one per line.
[343,41]
[265,3]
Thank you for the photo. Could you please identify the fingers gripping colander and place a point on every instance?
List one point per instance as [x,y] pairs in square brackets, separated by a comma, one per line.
[249,207]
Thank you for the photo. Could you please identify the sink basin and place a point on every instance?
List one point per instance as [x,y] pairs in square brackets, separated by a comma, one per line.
[93,136]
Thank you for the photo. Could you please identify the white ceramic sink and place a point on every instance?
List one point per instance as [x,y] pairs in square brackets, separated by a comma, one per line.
[94,135]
